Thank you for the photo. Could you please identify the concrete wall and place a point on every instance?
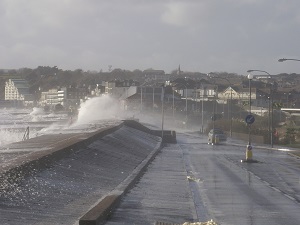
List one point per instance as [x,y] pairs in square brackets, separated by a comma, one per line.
[168,135]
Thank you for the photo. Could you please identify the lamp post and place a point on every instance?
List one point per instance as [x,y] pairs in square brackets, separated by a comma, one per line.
[153,98]
[271,97]
[141,108]
[249,120]
[230,111]
[269,115]
[230,106]
[283,59]
[202,117]
[186,105]
[162,112]
[173,104]
[250,77]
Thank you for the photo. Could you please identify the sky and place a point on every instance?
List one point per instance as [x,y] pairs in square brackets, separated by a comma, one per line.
[199,35]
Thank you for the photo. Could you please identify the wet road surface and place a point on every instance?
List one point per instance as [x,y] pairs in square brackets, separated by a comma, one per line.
[218,187]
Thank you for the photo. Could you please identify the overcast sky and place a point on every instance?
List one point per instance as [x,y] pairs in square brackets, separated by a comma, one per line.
[200,35]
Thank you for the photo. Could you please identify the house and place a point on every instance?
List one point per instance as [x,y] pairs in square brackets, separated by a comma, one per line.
[117,88]
[155,75]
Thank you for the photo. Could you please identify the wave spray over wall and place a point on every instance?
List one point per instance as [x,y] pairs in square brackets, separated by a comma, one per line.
[99,108]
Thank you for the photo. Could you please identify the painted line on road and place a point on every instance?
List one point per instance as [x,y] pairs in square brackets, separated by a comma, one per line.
[276,189]
[290,197]
[266,183]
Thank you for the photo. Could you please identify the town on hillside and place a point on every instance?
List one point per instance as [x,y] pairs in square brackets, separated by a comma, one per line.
[217,97]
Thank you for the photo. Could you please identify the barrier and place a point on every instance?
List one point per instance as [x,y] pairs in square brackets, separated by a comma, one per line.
[169,135]
[249,152]
[98,214]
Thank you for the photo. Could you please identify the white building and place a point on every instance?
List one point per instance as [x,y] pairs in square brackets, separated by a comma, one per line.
[49,97]
[62,96]
[16,89]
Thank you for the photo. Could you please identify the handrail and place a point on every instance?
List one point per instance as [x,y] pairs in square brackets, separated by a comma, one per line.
[26,134]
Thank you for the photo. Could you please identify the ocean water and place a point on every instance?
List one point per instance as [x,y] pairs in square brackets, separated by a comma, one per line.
[14,122]
[94,114]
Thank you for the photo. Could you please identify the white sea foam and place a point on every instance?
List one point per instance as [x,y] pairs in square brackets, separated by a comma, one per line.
[95,113]
[13,123]
[99,108]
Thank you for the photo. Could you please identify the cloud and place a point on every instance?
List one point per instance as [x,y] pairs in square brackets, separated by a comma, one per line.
[138,34]
[184,13]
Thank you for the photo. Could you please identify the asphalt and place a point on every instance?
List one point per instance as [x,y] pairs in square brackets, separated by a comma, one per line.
[65,178]
[161,196]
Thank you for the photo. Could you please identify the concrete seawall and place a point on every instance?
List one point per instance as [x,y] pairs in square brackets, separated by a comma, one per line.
[84,172]
[62,146]
[98,214]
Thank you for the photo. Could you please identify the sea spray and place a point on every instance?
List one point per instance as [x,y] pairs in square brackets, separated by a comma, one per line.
[98,108]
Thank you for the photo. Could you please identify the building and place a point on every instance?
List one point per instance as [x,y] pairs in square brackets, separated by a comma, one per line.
[17,93]
[49,98]
[155,75]
[67,97]
[117,88]
[16,89]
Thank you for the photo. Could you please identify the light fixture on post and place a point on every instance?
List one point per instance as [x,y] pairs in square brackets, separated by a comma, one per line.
[186,103]
[141,108]
[211,75]
[202,116]
[250,77]
[271,98]
[283,59]
[249,120]
[162,111]
[173,106]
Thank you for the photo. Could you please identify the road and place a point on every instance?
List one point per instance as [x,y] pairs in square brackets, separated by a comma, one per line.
[219,187]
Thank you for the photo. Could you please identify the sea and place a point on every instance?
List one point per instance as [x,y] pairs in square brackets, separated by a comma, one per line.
[18,124]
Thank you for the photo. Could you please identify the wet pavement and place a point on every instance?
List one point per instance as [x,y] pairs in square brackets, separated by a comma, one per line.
[193,181]
[162,194]
[186,182]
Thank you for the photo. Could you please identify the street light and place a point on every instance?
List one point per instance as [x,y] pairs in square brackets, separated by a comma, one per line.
[162,112]
[173,103]
[250,77]
[283,59]
[271,94]
[249,120]
[141,108]
[230,111]
[249,71]
[202,117]
[186,105]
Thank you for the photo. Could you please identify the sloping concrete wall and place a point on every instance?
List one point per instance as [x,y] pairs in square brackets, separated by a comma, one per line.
[78,177]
